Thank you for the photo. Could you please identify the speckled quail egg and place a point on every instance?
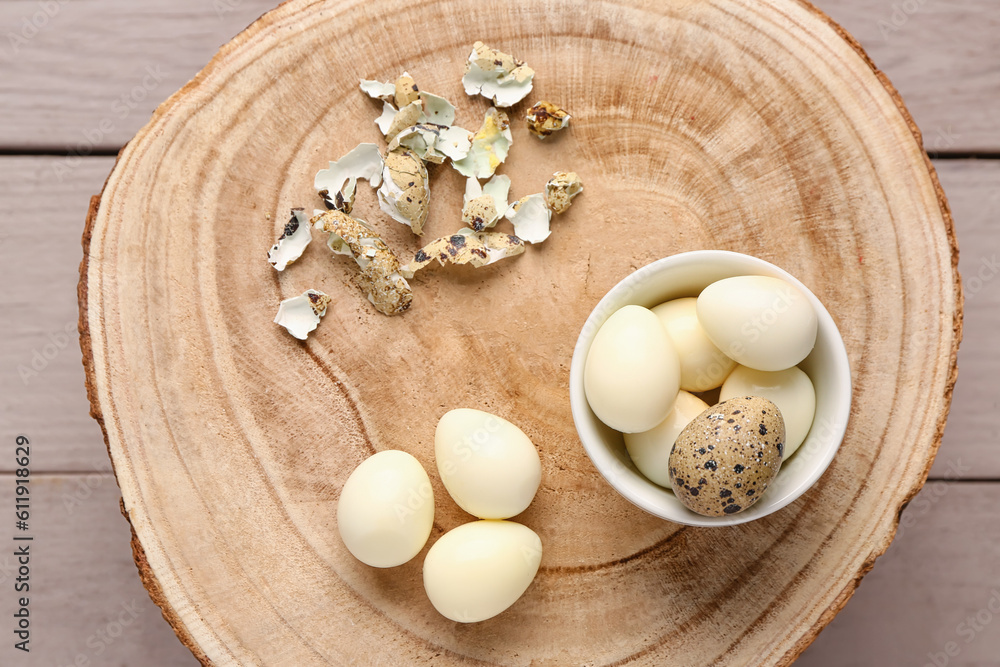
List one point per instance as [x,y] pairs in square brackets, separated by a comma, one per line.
[724,460]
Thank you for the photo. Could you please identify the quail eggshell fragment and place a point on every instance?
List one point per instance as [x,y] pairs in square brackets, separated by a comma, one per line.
[380,278]
[703,365]
[650,450]
[724,460]
[436,109]
[496,76]
[561,189]
[490,146]
[337,185]
[465,247]
[300,315]
[378,90]
[764,323]
[544,118]
[293,241]
[405,91]
[402,119]
[632,374]
[434,143]
[791,390]
[531,218]
[386,509]
[405,191]
[484,204]
[480,569]
[487,464]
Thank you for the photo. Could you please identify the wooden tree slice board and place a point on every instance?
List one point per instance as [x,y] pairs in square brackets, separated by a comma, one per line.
[742,125]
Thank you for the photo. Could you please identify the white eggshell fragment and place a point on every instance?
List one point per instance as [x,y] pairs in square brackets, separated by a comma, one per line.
[490,146]
[632,374]
[378,90]
[650,450]
[488,465]
[437,110]
[386,509]
[293,241]
[531,218]
[496,76]
[434,143]
[761,322]
[703,365]
[338,184]
[300,315]
[791,390]
[480,569]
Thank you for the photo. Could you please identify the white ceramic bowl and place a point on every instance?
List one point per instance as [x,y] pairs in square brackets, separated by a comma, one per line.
[827,365]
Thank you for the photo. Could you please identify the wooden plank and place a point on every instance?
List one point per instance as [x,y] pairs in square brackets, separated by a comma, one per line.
[87,606]
[934,597]
[969,449]
[943,57]
[94,71]
[42,382]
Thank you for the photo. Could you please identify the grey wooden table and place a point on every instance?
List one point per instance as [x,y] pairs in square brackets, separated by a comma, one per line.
[79,77]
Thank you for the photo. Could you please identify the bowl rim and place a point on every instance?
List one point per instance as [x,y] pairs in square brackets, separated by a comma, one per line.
[606,462]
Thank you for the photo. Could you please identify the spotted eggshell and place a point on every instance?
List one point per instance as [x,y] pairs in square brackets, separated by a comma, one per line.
[724,460]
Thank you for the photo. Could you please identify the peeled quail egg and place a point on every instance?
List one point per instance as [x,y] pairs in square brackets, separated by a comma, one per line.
[703,365]
[632,374]
[650,450]
[488,465]
[386,509]
[763,323]
[479,569]
[791,390]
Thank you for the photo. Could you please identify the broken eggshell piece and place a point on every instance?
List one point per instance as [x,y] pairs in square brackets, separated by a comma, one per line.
[338,184]
[402,94]
[406,90]
[531,218]
[465,247]
[484,205]
[378,90]
[405,191]
[490,146]
[292,242]
[437,110]
[392,122]
[300,315]
[545,118]
[380,276]
[561,189]
[496,76]
[434,143]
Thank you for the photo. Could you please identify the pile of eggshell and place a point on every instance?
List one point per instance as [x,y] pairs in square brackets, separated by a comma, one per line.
[492,470]
[745,334]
